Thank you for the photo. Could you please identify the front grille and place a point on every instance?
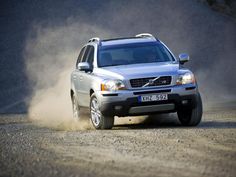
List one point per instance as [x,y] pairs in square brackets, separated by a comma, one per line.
[140,82]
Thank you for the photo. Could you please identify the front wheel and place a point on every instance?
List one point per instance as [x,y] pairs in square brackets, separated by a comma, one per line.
[191,117]
[98,120]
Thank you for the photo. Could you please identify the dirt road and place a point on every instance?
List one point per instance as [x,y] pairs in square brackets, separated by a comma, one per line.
[156,147]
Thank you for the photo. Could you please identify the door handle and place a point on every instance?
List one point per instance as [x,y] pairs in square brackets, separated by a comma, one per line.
[74,76]
[80,78]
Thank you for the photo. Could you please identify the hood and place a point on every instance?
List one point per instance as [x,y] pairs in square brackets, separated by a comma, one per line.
[125,72]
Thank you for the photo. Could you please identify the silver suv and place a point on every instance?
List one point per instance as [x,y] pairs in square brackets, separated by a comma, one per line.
[133,76]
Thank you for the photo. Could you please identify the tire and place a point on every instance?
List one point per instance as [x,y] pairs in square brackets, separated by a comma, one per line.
[75,108]
[98,120]
[191,117]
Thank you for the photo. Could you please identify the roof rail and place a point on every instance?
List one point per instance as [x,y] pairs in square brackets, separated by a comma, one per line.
[94,39]
[145,35]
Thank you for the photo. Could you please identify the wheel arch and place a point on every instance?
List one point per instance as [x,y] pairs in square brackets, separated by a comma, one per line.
[71,93]
[91,92]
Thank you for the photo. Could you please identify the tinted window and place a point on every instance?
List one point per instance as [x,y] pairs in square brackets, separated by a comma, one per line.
[133,54]
[85,56]
[80,56]
[90,55]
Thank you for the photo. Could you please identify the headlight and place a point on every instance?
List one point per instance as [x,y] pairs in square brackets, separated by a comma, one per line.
[187,78]
[112,85]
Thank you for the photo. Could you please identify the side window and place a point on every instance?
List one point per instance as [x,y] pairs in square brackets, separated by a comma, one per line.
[90,55]
[85,56]
[80,56]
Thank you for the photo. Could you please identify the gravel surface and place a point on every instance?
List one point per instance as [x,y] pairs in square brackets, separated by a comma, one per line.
[158,146]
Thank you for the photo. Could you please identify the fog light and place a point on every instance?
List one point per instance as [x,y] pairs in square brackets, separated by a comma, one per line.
[184,101]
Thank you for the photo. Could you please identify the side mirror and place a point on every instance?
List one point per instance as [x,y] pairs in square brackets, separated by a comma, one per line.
[84,66]
[183,58]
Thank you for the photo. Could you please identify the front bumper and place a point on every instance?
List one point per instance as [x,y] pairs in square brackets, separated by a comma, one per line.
[132,106]
[125,103]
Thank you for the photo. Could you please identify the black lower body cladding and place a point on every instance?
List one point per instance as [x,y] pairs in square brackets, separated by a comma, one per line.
[123,108]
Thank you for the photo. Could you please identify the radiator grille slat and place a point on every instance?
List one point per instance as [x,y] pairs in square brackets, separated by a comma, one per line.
[140,82]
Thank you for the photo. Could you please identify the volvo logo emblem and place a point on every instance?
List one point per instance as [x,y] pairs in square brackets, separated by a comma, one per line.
[151,82]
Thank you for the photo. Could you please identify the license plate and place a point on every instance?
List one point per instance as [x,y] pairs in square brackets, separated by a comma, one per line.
[158,97]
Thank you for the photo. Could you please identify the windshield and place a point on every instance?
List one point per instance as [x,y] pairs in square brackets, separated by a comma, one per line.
[133,54]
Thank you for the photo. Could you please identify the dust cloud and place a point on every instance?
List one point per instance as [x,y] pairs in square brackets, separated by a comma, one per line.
[50,55]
